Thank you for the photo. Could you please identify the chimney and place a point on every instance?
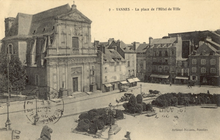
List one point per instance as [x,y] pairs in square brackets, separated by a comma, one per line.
[200,43]
[208,38]
[73,6]
[96,44]
[150,41]
[136,44]
[102,48]
[110,40]
[178,38]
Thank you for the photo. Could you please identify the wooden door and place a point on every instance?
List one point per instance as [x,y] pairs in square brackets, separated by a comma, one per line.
[75,84]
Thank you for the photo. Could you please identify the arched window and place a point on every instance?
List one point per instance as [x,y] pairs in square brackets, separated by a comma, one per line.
[10,49]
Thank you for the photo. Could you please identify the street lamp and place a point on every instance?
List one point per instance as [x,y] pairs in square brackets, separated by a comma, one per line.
[141,88]
[36,116]
[8,122]
[112,129]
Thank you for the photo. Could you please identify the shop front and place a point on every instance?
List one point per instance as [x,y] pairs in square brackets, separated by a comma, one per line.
[123,86]
[157,78]
[181,80]
[213,80]
[135,81]
[131,82]
[107,87]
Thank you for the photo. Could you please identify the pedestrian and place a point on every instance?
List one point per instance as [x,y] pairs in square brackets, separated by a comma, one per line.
[45,133]
[170,83]
[128,135]
[208,92]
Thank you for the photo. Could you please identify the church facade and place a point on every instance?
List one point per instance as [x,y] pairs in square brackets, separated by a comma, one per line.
[55,47]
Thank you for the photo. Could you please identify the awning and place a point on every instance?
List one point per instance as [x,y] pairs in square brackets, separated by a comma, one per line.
[123,82]
[108,85]
[159,76]
[131,81]
[184,78]
[213,76]
[136,79]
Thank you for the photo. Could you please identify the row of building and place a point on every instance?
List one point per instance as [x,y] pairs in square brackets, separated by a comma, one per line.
[56,49]
[181,58]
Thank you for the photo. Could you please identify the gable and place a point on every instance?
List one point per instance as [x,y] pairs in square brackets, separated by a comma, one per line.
[75,15]
[205,48]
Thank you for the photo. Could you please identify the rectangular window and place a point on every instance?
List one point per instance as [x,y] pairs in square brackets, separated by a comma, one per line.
[106,79]
[160,54]
[212,61]
[203,70]
[212,70]
[166,53]
[75,43]
[128,63]
[193,61]
[37,80]
[194,69]
[115,68]
[203,61]
[106,70]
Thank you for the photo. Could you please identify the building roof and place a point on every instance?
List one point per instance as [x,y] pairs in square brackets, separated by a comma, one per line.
[215,45]
[142,47]
[205,49]
[26,25]
[164,40]
[103,43]
[112,55]
[126,48]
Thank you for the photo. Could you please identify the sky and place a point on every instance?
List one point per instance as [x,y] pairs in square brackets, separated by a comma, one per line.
[128,24]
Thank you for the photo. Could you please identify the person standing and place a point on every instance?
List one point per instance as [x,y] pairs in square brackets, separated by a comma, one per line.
[45,133]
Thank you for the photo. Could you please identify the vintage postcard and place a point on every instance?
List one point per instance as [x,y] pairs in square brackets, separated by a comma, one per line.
[112,70]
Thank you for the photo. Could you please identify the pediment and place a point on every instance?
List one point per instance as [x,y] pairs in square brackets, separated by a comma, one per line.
[74,16]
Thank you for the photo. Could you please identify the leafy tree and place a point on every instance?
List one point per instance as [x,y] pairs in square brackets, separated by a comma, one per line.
[17,73]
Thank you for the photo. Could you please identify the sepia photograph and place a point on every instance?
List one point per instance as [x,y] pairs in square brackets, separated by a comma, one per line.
[109,70]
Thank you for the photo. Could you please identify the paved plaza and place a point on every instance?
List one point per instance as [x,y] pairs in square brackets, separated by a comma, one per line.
[170,124]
